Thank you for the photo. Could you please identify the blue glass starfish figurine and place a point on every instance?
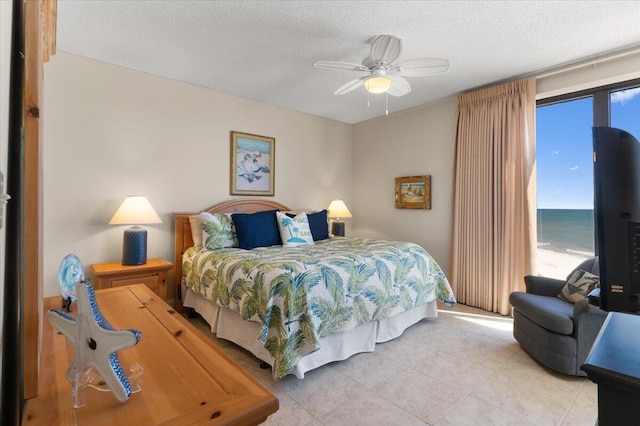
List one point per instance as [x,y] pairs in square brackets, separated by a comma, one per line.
[69,274]
[96,343]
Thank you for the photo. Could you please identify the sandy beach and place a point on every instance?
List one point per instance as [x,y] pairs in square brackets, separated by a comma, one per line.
[557,265]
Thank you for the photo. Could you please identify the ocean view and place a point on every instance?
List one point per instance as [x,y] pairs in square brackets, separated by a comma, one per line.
[566,230]
[565,238]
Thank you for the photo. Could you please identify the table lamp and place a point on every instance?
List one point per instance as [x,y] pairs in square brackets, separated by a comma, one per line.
[135,210]
[337,209]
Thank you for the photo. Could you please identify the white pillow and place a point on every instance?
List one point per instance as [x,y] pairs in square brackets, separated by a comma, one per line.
[233,230]
[196,230]
[294,231]
[579,285]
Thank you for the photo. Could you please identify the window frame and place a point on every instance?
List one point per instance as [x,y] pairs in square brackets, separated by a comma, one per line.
[601,99]
[601,96]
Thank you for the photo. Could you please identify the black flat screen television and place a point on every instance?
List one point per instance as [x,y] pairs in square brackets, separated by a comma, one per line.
[616,173]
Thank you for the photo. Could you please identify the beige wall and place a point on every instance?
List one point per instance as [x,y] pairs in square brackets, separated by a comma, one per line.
[110,132]
[422,141]
[415,142]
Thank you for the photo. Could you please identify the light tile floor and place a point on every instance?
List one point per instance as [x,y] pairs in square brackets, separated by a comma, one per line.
[462,368]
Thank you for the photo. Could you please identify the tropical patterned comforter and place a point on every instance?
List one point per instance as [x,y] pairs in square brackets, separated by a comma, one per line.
[300,294]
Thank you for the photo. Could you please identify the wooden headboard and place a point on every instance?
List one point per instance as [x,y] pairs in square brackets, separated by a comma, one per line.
[183,230]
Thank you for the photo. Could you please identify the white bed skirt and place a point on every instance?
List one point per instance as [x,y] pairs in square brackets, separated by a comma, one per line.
[228,325]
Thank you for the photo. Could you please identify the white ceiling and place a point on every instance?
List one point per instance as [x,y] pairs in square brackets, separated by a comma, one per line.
[265,50]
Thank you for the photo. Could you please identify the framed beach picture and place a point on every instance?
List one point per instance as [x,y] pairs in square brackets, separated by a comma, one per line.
[252,164]
[413,192]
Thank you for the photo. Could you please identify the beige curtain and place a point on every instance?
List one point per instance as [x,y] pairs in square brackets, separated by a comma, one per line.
[494,235]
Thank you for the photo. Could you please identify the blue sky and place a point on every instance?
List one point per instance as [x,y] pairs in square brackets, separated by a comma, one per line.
[564,147]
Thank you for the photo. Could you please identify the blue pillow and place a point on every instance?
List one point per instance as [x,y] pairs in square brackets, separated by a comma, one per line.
[257,229]
[318,224]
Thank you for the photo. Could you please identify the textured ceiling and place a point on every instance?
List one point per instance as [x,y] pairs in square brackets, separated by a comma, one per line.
[265,50]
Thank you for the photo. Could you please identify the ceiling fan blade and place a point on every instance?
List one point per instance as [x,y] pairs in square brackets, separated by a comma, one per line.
[421,67]
[337,65]
[386,48]
[399,86]
[349,87]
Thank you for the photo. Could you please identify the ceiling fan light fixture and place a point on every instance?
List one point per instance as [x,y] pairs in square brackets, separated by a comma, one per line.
[377,84]
[385,76]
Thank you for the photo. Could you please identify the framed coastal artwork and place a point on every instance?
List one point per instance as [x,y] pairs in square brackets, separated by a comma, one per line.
[252,164]
[413,192]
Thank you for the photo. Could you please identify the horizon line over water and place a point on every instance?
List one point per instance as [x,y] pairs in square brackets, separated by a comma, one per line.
[566,230]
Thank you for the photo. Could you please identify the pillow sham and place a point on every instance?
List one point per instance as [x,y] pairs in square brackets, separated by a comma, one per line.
[216,231]
[318,224]
[579,285]
[196,229]
[294,231]
[233,230]
[258,229]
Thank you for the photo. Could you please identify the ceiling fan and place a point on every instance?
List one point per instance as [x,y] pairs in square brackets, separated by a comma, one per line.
[382,75]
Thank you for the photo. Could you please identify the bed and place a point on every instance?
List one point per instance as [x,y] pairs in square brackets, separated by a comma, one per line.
[298,308]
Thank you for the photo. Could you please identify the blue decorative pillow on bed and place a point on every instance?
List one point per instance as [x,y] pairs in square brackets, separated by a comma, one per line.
[216,230]
[257,229]
[318,224]
[294,231]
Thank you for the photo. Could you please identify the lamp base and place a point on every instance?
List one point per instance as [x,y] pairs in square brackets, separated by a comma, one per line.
[134,246]
[337,228]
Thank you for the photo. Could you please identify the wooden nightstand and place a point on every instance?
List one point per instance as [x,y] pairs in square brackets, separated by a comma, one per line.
[153,274]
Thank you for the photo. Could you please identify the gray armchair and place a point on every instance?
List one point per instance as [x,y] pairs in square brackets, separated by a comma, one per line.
[557,333]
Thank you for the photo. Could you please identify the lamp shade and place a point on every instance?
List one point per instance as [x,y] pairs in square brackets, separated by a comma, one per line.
[135,210]
[337,209]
